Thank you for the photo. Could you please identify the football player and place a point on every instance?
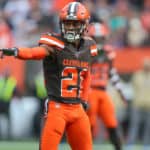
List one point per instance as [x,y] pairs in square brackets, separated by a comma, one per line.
[102,71]
[66,62]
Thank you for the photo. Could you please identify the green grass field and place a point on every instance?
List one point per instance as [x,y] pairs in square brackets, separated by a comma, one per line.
[34,146]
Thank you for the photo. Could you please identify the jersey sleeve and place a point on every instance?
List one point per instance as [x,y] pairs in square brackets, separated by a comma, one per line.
[51,40]
[93,48]
[92,45]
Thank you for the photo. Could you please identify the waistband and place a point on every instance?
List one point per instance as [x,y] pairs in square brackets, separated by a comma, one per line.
[99,87]
[65,100]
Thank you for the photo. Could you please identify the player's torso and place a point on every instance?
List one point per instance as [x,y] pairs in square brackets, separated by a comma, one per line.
[100,75]
[64,74]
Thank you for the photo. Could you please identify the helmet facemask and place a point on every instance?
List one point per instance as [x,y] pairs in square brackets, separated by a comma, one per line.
[72,30]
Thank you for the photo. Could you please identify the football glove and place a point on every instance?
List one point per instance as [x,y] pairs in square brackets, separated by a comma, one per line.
[9,51]
[85,105]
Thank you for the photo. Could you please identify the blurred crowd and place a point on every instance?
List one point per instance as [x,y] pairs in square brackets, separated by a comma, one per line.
[22,22]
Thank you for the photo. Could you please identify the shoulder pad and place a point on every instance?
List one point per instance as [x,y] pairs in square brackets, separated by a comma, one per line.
[51,40]
[93,50]
[87,38]
[93,46]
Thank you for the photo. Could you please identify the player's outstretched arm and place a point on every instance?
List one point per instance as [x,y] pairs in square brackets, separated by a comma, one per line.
[48,44]
[28,53]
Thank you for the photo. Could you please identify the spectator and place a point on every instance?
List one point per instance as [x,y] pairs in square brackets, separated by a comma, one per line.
[8,86]
[140,106]
[145,20]
[41,95]
[136,34]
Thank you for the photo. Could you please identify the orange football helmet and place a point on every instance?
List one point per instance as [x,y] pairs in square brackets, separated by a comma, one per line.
[99,31]
[74,19]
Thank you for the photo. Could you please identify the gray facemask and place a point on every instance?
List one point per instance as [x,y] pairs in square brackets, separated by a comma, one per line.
[72,36]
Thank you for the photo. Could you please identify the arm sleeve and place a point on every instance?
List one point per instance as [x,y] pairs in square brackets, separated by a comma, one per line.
[50,41]
[116,82]
[115,79]
[32,53]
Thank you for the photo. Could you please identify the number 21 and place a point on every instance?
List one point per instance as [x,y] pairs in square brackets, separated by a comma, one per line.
[72,78]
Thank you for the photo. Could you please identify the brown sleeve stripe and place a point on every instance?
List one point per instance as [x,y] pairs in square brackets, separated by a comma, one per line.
[94,50]
[51,41]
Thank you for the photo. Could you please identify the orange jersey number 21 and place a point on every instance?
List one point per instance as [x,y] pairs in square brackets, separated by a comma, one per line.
[71,79]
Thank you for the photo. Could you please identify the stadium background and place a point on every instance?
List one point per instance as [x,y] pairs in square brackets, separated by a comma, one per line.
[22,22]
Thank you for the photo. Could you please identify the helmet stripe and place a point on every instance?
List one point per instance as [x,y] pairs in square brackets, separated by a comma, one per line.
[72,8]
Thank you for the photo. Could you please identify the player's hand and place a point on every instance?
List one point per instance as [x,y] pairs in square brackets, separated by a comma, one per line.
[9,51]
[85,105]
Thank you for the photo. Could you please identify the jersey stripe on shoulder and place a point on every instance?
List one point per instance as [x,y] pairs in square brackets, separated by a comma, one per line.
[51,41]
[94,50]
